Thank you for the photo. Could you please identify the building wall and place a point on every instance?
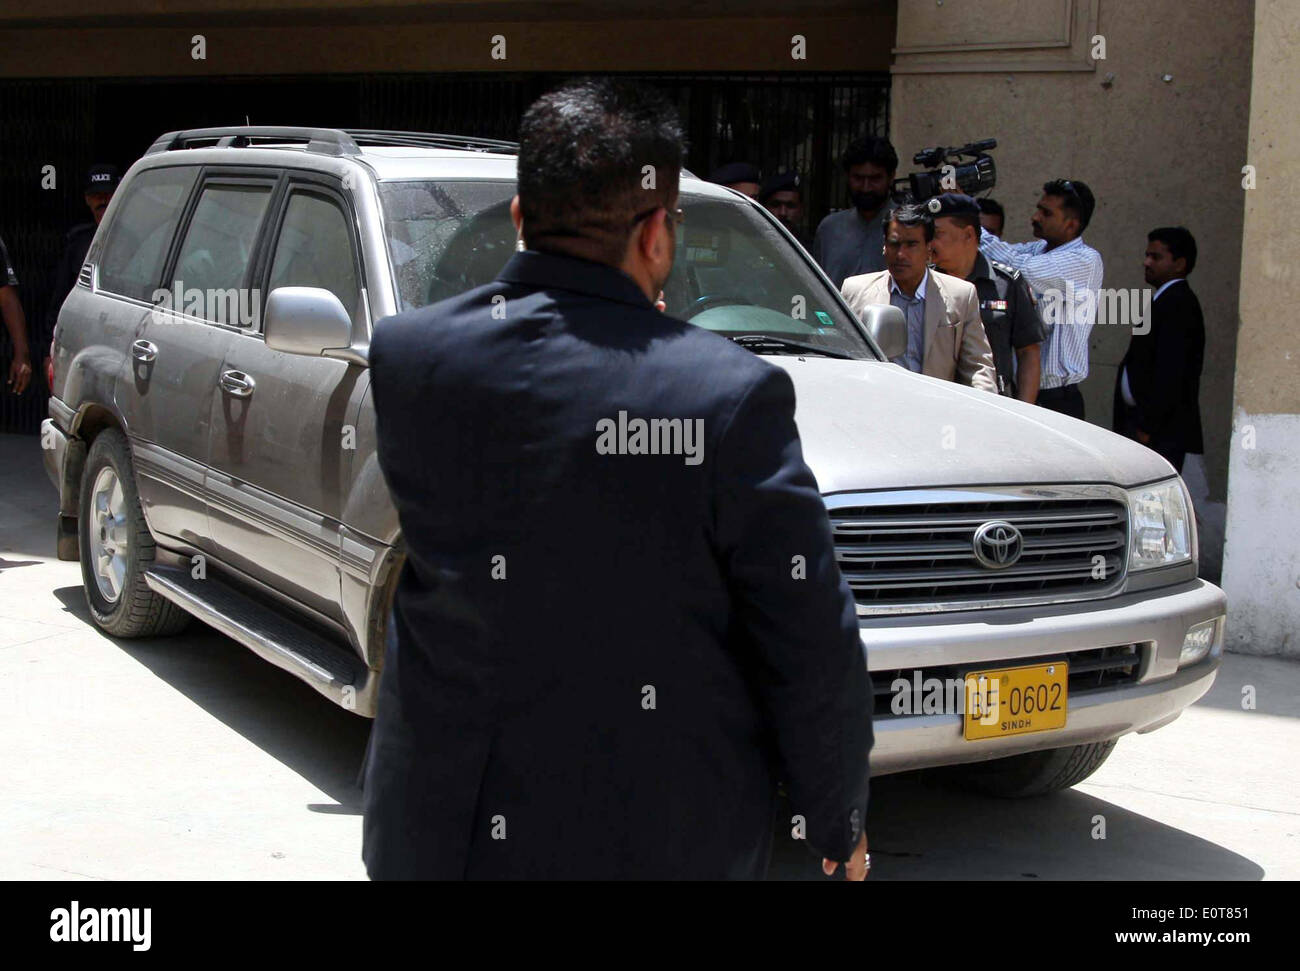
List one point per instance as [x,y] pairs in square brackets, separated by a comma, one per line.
[278,37]
[1261,572]
[1154,152]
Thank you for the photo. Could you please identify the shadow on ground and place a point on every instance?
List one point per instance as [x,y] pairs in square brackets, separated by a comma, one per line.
[271,708]
[922,826]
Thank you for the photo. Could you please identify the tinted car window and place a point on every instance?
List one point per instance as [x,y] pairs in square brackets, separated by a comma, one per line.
[214,254]
[446,237]
[314,249]
[733,272]
[142,229]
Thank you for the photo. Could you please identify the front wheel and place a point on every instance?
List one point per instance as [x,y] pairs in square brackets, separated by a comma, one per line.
[117,548]
[1034,773]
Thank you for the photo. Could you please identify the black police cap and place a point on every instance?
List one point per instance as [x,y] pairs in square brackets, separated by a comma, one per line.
[735,172]
[953,204]
[781,182]
[102,178]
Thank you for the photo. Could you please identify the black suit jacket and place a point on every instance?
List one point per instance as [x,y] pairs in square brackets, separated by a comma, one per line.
[1164,373]
[601,663]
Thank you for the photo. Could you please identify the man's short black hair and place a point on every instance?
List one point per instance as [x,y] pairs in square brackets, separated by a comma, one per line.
[1077,198]
[991,207]
[594,155]
[873,149]
[970,219]
[911,217]
[1181,243]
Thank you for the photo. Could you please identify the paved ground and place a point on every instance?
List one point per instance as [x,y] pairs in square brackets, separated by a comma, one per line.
[190,758]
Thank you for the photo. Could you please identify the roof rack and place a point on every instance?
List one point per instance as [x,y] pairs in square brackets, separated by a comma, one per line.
[419,139]
[324,141]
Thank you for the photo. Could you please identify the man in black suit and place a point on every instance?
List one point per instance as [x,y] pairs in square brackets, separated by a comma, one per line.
[603,657]
[1157,391]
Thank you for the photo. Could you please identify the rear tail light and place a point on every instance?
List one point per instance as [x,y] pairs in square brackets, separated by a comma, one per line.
[49,368]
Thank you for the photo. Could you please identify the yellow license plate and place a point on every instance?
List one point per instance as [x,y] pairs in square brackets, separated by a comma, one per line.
[1015,701]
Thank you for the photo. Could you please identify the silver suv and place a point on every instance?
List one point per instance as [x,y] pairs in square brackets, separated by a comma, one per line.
[1027,583]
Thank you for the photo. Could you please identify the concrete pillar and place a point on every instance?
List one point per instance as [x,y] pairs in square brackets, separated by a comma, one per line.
[1261,570]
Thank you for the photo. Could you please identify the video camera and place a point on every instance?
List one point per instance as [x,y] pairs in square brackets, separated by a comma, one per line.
[946,172]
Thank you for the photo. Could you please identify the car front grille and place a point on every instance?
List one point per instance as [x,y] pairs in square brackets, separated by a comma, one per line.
[922,556]
[1095,669]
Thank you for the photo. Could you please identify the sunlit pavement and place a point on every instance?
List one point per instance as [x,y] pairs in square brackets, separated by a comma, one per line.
[190,758]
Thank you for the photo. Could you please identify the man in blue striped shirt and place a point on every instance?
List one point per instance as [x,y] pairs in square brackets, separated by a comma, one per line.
[1065,274]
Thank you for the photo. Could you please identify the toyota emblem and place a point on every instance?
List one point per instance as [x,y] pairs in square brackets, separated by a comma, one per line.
[998,544]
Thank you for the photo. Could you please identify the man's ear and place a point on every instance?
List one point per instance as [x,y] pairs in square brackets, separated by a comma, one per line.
[516,215]
[651,233]
[667,232]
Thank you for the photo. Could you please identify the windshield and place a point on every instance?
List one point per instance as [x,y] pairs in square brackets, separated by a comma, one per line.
[734,273]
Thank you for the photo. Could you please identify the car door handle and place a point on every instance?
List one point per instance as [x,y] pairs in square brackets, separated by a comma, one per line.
[237,383]
[144,352]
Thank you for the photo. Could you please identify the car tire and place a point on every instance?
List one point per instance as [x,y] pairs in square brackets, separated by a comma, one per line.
[117,547]
[1034,773]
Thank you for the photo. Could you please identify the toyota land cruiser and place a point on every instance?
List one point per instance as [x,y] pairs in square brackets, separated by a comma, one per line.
[215,456]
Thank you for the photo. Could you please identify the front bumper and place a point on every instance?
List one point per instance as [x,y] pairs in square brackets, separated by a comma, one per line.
[1157,619]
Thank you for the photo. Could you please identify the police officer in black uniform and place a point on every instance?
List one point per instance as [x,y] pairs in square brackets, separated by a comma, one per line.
[782,196]
[1007,307]
[101,183]
[741,176]
[17,369]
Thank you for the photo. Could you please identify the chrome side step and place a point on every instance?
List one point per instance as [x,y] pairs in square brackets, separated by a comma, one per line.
[330,668]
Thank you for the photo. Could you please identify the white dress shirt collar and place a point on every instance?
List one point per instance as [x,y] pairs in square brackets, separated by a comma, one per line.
[1165,286]
[920,288]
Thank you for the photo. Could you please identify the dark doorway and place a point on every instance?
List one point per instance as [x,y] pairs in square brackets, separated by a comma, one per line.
[800,121]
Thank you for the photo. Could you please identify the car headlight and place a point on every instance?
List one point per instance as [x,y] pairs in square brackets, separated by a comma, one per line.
[1163,529]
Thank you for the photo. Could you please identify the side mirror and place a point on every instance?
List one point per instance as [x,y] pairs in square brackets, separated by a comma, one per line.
[887,328]
[306,320]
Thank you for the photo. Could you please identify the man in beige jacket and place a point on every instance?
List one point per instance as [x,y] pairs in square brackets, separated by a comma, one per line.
[945,335]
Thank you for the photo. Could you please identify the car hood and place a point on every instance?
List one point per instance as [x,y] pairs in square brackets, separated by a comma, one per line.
[868,425]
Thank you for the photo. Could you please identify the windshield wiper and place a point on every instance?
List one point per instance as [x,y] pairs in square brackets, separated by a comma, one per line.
[759,342]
